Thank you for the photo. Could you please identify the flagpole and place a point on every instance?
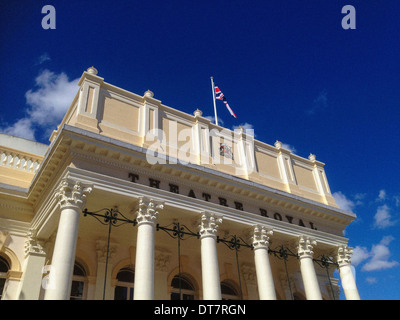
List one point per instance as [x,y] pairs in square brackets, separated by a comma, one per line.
[215,106]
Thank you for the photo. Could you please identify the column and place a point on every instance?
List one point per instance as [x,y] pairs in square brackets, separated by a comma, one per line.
[265,280]
[72,197]
[308,274]
[209,258]
[35,258]
[346,275]
[147,214]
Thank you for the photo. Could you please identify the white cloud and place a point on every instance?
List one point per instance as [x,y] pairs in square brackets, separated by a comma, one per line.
[320,102]
[360,254]
[359,198]
[371,280]
[22,128]
[397,200]
[343,202]
[212,119]
[51,98]
[43,58]
[382,195]
[47,103]
[289,147]
[383,218]
[380,255]
[248,128]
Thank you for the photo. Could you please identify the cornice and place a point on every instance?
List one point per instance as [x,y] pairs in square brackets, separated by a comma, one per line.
[179,201]
[72,142]
[123,155]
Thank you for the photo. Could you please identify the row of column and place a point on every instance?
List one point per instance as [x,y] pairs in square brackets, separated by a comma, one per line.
[72,198]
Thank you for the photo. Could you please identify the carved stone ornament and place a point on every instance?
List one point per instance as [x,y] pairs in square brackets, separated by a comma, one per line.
[92,70]
[72,194]
[198,113]
[101,250]
[209,224]
[34,246]
[344,255]
[149,94]
[261,236]
[305,246]
[249,273]
[162,259]
[148,210]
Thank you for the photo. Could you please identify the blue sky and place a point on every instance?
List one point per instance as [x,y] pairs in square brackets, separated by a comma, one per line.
[288,69]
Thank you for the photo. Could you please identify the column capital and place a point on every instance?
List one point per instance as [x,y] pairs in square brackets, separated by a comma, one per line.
[209,224]
[261,235]
[344,255]
[148,210]
[72,194]
[305,246]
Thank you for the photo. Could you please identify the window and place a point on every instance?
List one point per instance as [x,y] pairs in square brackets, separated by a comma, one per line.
[78,282]
[187,291]
[125,282]
[4,267]
[228,291]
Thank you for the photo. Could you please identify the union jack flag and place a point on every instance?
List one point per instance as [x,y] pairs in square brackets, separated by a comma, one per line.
[220,96]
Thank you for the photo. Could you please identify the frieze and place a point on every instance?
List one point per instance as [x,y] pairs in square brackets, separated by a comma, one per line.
[174,188]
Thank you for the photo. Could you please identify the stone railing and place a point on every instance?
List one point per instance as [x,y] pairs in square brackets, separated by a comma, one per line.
[20,161]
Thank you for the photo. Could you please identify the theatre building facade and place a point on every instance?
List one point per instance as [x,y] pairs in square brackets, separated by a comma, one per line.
[133,199]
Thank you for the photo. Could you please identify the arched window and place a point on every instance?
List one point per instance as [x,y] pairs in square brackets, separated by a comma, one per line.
[228,291]
[125,282]
[4,267]
[187,291]
[78,282]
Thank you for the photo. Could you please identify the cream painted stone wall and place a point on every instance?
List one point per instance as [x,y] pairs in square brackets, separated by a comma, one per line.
[125,116]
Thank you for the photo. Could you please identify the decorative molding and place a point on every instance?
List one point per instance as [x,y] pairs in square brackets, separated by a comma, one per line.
[162,259]
[4,235]
[148,210]
[261,235]
[101,250]
[72,194]
[249,273]
[33,246]
[344,255]
[209,224]
[305,247]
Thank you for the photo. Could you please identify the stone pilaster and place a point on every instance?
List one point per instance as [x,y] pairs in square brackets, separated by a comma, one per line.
[32,270]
